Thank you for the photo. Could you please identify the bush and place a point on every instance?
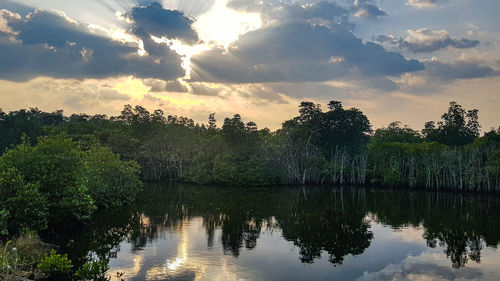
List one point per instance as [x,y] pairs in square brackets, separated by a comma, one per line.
[8,260]
[55,165]
[24,207]
[55,265]
[58,183]
[110,181]
[20,257]
[30,250]
[4,220]
[93,271]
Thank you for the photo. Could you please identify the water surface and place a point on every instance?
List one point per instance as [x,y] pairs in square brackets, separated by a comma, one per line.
[183,232]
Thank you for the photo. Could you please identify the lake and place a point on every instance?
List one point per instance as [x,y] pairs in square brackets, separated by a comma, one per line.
[185,232]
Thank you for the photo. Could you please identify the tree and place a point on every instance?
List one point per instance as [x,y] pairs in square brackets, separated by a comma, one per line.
[24,206]
[111,182]
[55,165]
[397,132]
[341,127]
[212,122]
[458,126]
[233,130]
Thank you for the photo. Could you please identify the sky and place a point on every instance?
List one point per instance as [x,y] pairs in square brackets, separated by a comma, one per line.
[395,60]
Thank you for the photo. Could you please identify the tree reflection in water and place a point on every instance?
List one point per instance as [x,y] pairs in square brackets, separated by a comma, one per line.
[317,220]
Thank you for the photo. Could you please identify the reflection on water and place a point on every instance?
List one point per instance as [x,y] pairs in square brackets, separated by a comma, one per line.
[291,233]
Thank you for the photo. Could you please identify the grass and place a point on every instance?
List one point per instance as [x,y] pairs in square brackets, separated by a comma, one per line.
[18,258]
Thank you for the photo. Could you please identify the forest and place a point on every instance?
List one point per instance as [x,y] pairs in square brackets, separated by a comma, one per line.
[334,146]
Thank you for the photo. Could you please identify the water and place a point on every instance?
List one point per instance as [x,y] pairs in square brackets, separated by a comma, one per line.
[294,233]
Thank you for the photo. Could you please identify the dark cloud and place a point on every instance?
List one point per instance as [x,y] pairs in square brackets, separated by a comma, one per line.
[155,84]
[204,90]
[320,12]
[176,86]
[367,9]
[307,90]
[308,10]
[425,40]
[161,86]
[53,45]
[298,52]
[261,94]
[456,70]
[154,20]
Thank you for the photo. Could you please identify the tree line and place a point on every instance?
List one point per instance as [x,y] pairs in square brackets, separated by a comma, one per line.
[332,146]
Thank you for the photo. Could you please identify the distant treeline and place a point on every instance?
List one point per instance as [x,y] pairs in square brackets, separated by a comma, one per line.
[335,146]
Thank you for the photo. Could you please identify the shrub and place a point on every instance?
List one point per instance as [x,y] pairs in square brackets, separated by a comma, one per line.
[55,165]
[54,264]
[93,271]
[24,207]
[20,257]
[30,250]
[111,182]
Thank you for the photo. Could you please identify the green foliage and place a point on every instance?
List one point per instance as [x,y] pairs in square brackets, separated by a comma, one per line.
[54,264]
[111,182]
[58,183]
[494,163]
[27,210]
[93,271]
[396,132]
[28,123]
[23,206]
[55,165]
[8,259]
[431,165]
[333,146]
[4,221]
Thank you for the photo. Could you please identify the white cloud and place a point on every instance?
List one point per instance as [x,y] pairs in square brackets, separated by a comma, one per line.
[421,4]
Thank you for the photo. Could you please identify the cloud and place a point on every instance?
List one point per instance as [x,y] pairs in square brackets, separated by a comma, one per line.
[298,51]
[189,7]
[367,9]
[204,90]
[158,85]
[421,4]
[456,70]
[75,95]
[7,17]
[426,40]
[51,44]
[411,270]
[438,74]
[272,11]
[153,20]
[259,94]
[176,86]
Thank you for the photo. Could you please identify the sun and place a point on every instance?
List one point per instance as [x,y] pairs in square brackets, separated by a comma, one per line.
[222,25]
[219,26]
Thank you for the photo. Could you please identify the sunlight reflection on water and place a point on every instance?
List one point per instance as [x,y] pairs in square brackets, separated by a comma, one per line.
[324,240]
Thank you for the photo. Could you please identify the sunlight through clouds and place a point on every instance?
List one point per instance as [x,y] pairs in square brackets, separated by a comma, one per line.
[222,25]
